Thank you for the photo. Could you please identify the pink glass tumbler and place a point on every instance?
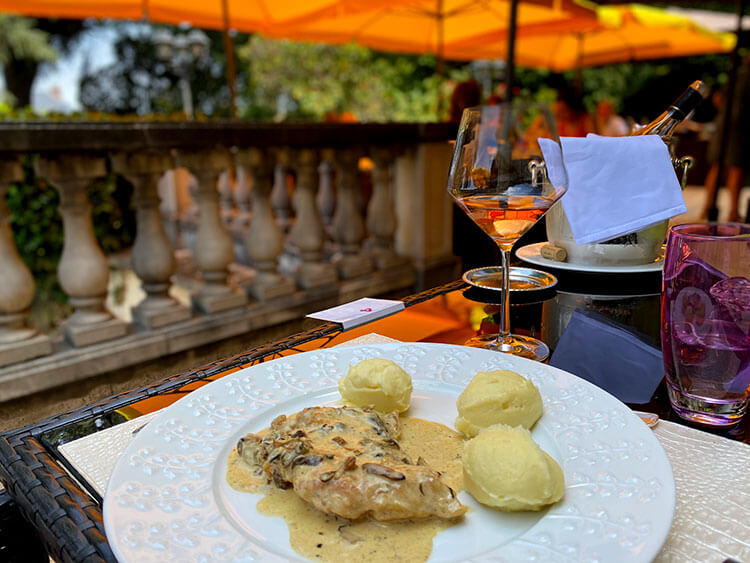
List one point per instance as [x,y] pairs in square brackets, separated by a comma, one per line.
[705,321]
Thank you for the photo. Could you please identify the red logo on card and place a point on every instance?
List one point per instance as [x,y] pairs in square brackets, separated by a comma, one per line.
[365,310]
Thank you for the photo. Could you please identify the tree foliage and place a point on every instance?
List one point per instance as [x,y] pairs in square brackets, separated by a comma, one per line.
[20,39]
[138,82]
[328,79]
[25,44]
[22,48]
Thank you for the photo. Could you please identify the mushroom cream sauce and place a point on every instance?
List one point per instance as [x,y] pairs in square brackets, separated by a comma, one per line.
[322,537]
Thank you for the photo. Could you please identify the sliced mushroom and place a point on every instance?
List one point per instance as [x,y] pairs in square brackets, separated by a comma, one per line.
[327,476]
[383,471]
[249,448]
[280,482]
[349,464]
[307,460]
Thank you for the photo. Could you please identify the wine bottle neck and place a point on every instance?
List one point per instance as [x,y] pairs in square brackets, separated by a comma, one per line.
[664,125]
[687,102]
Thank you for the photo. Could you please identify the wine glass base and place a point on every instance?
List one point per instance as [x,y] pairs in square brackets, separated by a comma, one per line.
[515,344]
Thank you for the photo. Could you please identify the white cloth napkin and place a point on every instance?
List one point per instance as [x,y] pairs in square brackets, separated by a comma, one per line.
[616,185]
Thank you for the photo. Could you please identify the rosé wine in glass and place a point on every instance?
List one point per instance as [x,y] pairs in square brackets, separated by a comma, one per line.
[505,217]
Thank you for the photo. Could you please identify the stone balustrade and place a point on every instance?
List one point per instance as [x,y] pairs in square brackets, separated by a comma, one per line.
[276,223]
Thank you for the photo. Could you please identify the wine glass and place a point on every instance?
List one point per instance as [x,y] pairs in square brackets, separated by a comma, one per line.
[506,172]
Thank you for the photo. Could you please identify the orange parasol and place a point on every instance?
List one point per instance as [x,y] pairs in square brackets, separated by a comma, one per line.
[623,33]
[242,15]
[450,28]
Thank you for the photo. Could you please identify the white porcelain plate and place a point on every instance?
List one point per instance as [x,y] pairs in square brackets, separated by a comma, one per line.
[167,499]
[531,253]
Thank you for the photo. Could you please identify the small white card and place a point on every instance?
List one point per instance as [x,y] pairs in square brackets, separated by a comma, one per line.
[359,312]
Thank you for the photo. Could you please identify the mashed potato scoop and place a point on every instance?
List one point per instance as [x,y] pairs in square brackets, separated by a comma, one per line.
[505,469]
[378,384]
[497,397]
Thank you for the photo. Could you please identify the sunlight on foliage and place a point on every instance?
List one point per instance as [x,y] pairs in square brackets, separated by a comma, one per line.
[324,80]
[20,40]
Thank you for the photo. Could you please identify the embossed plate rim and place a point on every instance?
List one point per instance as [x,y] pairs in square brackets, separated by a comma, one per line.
[620,497]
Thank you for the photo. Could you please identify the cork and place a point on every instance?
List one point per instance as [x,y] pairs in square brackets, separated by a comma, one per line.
[553,253]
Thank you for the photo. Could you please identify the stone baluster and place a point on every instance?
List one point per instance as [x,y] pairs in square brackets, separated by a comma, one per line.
[225,186]
[242,192]
[153,256]
[348,229]
[280,201]
[169,207]
[213,245]
[308,234]
[83,270]
[326,199]
[241,220]
[264,240]
[381,215]
[189,182]
[17,341]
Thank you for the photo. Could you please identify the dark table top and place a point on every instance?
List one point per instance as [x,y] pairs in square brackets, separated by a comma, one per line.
[63,512]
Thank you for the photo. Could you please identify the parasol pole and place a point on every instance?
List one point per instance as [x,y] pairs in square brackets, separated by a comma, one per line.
[713,211]
[579,63]
[229,52]
[510,64]
[439,63]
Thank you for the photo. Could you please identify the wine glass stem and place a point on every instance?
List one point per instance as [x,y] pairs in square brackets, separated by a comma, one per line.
[505,297]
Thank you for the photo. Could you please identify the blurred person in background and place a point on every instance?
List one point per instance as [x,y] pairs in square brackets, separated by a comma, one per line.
[498,96]
[737,152]
[570,114]
[494,100]
[465,95]
[608,123]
